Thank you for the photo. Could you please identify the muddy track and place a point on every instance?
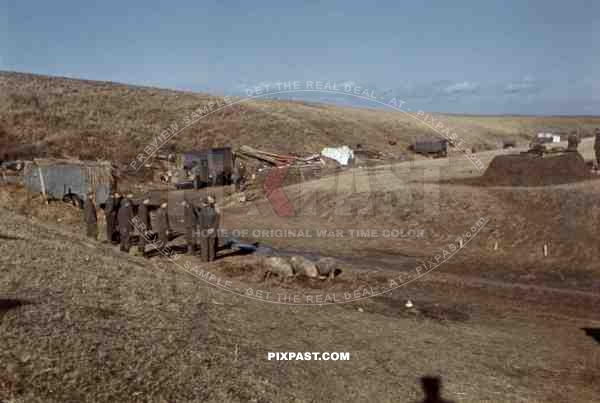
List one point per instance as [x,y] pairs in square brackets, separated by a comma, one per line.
[403,264]
[407,264]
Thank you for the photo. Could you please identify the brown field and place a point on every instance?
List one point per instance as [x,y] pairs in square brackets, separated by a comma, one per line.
[498,321]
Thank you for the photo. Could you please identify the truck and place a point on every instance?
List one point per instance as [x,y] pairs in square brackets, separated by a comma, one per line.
[545,138]
[431,145]
[70,180]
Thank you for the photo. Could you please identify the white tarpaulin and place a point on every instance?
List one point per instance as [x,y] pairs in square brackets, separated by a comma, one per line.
[341,154]
[548,138]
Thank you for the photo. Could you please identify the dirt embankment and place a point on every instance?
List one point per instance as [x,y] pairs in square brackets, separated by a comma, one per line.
[532,170]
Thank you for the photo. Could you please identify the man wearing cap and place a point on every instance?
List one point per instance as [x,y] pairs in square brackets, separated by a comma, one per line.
[124,218]
[143,225]
[207,233]
[162,226]
[110,214]
[91,219]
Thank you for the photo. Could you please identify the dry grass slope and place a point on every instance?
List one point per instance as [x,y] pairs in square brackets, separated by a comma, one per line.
[92,119]
[80,323]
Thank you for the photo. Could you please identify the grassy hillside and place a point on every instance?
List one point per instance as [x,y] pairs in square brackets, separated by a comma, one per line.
[79,322]
[92,119]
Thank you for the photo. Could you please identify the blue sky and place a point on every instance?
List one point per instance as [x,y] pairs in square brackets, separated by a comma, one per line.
[511,56]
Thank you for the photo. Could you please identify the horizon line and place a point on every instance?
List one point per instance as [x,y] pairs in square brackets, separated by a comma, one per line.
[318,102]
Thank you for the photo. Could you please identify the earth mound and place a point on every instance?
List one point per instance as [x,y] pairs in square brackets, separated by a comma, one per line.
[535,170]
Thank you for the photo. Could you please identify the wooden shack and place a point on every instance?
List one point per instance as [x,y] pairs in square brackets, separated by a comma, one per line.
[69,180]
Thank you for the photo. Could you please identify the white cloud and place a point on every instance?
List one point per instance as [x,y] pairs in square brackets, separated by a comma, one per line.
[528,85]
[461,87]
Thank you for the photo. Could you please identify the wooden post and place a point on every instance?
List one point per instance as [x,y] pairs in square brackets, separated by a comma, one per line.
[43,185]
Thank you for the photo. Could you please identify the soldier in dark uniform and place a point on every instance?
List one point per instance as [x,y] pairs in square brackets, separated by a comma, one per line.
[189,222]
[207,235]
[91,219]
[110,214]
[125,217]
[143,225]
[119,201]
[162,226]
[198,228]
[237,178]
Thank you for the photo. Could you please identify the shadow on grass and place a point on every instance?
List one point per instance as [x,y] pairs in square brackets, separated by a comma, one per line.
[6,304]
[593,332]
[432,386]
[11,238]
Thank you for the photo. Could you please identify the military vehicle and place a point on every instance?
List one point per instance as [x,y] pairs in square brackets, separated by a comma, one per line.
[438,147]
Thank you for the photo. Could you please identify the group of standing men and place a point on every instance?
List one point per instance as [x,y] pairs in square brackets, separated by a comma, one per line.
[201,224]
